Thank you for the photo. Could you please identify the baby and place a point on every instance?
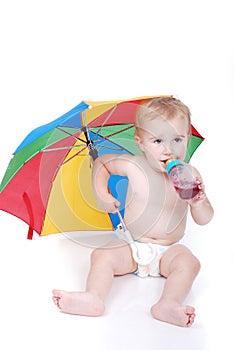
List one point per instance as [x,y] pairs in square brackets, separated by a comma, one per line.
[154,214]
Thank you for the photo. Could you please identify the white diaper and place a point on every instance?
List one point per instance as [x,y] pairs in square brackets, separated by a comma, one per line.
[145,250]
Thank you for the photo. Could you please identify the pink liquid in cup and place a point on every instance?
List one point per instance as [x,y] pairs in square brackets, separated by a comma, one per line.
[182,179]
[187,190]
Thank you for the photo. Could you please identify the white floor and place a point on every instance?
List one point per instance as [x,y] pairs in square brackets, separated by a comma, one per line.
[164,47]
[31,269]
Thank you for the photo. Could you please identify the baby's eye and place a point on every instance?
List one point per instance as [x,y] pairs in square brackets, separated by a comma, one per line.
[158,141]
[177,139]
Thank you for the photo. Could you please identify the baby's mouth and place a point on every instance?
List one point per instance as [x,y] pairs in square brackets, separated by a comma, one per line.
[163,162]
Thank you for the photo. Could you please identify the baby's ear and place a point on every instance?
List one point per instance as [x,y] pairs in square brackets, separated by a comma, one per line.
[139,142]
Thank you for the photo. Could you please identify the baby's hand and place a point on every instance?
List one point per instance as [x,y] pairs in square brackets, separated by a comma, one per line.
[201,194]
[109,204]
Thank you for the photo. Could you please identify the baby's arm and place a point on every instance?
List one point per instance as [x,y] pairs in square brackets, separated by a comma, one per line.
[103,166]
[200,206]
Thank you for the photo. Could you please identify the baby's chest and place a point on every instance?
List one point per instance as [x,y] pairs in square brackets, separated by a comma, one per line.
[153,189]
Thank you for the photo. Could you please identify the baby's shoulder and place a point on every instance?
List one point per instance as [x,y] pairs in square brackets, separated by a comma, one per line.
[136,164]
[134,160]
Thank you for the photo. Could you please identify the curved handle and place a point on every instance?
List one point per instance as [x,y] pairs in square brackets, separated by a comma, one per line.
[142,260]
[126,235]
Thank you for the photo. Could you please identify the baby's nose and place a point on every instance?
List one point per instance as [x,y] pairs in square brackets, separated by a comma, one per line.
[167,149]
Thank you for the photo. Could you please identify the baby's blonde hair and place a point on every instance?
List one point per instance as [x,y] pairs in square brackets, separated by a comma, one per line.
[166,107]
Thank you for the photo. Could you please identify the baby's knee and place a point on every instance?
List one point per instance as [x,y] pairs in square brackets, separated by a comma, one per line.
[188,261]
[100,255]
[193,263]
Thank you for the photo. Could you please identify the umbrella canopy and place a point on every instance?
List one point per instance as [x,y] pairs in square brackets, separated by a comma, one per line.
[48,181]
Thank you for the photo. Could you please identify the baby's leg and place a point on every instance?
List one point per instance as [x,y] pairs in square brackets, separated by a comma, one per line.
[105,264]
[180,267]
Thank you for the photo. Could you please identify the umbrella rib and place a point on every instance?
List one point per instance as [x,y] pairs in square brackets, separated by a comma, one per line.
[68,160]
[68,133]
[107,136]
[65,147]
[108,116]
[61,148]
[112,148]
[114,133]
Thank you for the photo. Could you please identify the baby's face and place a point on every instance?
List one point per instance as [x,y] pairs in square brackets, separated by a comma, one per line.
[161,139]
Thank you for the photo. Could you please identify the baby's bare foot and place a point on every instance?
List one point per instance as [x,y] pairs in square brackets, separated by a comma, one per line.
[180,315]
[78,303]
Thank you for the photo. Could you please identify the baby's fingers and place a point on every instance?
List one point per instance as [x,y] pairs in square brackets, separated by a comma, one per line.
[199,184]
[115,207]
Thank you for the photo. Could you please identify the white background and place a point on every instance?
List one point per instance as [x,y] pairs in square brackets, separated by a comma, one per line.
[53,55]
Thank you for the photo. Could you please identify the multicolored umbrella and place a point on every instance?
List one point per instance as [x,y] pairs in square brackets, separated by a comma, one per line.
[48,181]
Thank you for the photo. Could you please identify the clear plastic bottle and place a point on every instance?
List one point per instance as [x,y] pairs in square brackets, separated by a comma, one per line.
[182,178]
